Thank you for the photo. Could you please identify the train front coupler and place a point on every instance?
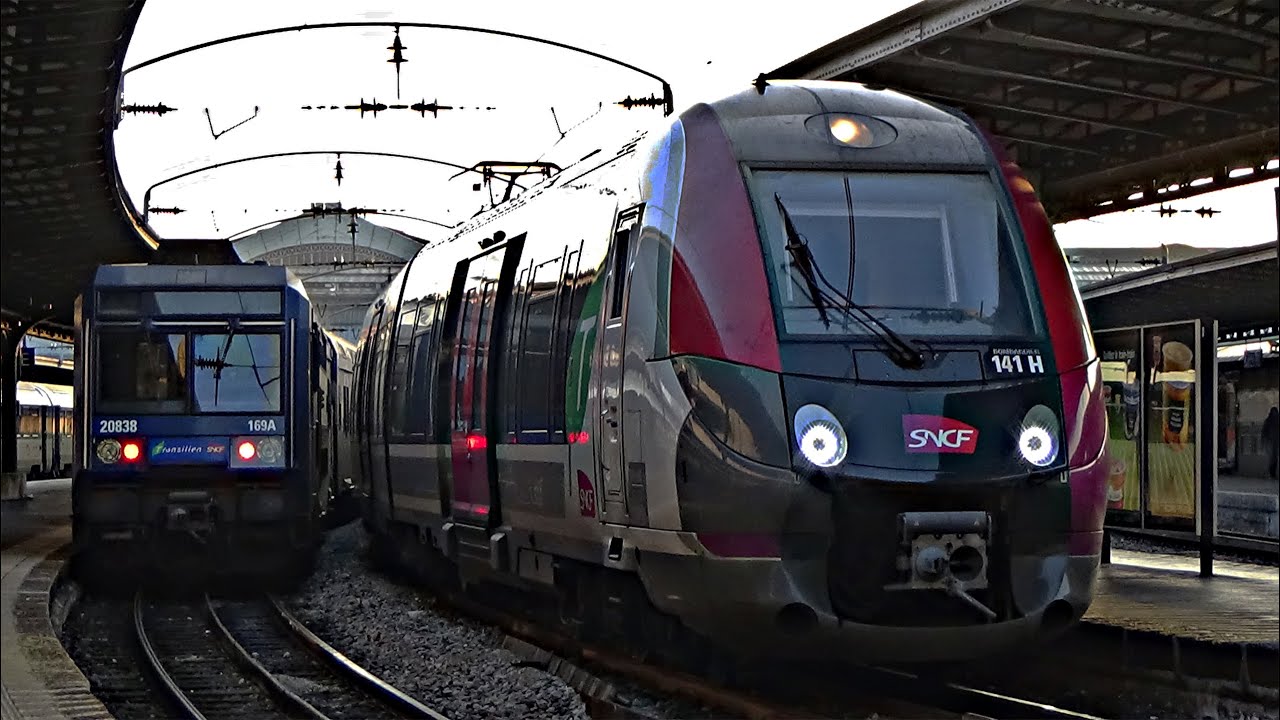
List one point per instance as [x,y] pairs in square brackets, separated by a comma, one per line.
[190,512]
[946,551]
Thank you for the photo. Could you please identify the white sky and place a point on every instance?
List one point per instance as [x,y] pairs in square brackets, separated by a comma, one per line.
[704,49]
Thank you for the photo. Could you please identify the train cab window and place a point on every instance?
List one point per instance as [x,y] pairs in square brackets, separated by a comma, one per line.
[621,251]
[141,372]
[237,372]
[927,254]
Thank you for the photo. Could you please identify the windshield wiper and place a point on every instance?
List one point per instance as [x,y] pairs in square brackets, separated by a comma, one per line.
[803,260]
[894,347]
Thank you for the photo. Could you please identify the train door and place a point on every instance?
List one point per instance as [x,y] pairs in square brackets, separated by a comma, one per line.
[319,423]
[484,286]
[609,428]
[471,427]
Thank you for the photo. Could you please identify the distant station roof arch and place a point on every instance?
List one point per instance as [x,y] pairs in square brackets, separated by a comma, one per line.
[343,272]
[1103,102]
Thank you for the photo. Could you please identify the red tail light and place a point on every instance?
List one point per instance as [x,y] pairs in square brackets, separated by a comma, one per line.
[130,451]
[246,450]
[477,442]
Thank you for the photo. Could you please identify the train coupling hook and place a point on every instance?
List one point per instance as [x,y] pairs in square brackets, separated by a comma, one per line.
[956,590]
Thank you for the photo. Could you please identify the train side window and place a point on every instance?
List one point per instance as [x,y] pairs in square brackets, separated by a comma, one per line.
[488,295]
[466,324]
[399,390]
[420,381]
[515,329]
[565,315]
[536,345]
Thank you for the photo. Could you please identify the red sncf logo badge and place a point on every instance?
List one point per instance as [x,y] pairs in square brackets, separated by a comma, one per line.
[937,434]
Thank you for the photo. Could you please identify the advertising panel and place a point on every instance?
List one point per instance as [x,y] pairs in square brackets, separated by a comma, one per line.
[1171,421]
[1119,352]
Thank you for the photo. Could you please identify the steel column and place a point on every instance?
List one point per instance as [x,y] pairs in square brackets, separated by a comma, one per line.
[1207,447]
[9,400]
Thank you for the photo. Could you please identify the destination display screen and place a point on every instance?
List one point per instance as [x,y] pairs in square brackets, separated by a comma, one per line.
[137,303]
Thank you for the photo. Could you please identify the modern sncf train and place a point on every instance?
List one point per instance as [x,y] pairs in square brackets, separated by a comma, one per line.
[208,407]
[804,369]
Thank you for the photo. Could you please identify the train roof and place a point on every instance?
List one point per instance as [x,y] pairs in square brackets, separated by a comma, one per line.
[771,126]
[194,276]
[33,394]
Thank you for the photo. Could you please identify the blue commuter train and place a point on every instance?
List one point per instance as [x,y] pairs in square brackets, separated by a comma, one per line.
[209,409]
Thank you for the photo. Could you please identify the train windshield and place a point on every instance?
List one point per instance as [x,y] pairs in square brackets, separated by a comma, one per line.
[919,254]
[174,373]
[141,371]
[234,372]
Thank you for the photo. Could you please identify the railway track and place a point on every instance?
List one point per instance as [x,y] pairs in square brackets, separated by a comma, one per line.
[251,659]
[871,691]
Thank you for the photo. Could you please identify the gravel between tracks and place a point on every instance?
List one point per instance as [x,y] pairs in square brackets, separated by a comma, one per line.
[456,666]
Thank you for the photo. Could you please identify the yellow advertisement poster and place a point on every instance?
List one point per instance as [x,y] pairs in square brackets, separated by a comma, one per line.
[1122,392]
[1171,412]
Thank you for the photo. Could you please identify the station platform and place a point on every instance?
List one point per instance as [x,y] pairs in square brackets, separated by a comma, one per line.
[1249,505]
[1164,594]
[38,680]
[47,504]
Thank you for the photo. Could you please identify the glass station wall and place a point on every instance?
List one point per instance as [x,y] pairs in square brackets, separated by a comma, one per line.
[1248,418]
[1149,382]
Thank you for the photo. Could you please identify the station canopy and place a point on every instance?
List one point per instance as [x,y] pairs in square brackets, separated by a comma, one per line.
[1104,103]
[1240,288]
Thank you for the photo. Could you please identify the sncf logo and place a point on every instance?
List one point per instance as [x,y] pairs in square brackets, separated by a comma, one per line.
[937,434]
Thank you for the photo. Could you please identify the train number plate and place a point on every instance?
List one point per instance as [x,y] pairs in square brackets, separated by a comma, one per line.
[112,427]
[1014,362]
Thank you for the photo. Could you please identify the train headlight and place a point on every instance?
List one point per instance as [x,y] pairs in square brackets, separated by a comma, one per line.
[846,130]
[1038,437]
[256,451]
[270,449]
[851,130]
[108,451]
[820,436]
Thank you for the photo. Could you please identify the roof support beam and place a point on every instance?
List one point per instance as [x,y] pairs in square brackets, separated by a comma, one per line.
[1201,155]
[1044,143]
[1021,38]
[1173,18]
[1065,116]
[920,58]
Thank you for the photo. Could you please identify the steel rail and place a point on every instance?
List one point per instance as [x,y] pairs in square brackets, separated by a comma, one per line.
[246,660]
[157,669]
[362,678]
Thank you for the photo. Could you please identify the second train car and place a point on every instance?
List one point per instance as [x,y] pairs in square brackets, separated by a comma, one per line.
[804,369]
[209,407]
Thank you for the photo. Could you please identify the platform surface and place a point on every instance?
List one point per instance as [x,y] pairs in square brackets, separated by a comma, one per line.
[48,504]
[1164,593]
[38,680]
